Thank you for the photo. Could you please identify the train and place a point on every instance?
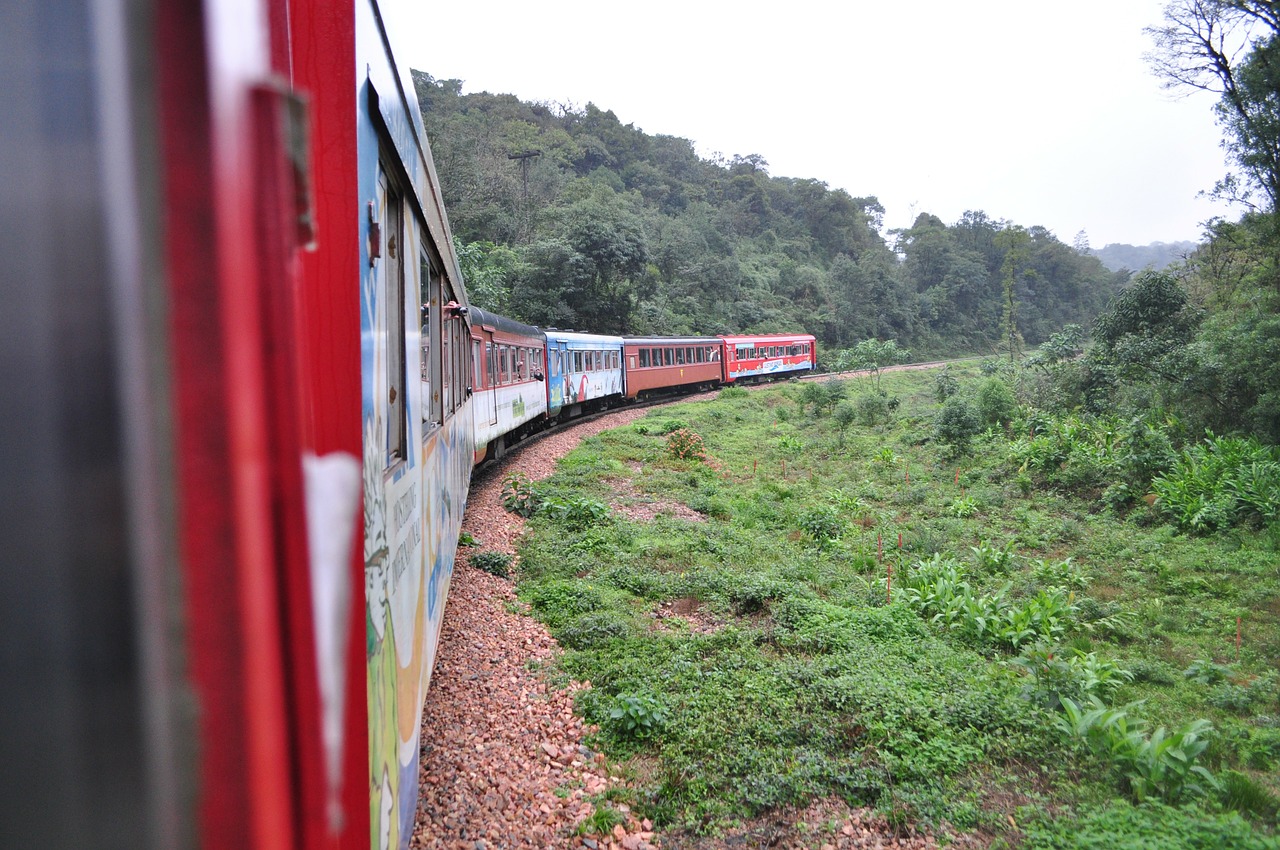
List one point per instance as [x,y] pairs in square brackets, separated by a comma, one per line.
[245,390]
[525,378]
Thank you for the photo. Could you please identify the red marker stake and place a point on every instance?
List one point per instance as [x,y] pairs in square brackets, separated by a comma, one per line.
[957,476]
[899,541]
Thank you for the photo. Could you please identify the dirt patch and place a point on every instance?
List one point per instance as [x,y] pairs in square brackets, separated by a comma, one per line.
[686,611]
[641,507]
[826,824]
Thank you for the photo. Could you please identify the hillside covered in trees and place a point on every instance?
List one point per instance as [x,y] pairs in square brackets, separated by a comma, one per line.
[566,217]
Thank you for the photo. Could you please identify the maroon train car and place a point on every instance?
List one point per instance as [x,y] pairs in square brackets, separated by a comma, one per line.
[655,364]
[768,357]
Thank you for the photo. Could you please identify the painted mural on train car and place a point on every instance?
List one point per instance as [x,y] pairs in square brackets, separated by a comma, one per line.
[416,475]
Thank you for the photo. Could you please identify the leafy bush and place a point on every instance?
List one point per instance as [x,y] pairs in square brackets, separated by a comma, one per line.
[822,525]
[729,393]
[520,495]
[992,559]
[573,512]
[1057,674]
[686,444]
[995,401]
[639,716]
[945,384]
[593,629]
[957,423]
[872,409]
[940,591]
[493,563]
[1157,764]
[1218,482]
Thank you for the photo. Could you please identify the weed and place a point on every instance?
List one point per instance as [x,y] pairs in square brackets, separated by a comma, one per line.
[639,716]
[686,444]
[519,495]
[494,563]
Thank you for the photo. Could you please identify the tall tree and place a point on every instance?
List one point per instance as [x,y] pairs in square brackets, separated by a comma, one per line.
[1231,48]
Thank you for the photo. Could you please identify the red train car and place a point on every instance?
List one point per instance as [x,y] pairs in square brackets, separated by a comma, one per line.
[237,480]
[768,357]
[655,364]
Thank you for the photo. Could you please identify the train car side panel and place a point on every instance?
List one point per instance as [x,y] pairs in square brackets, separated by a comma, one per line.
[655,364]
[417,445]
[767,357]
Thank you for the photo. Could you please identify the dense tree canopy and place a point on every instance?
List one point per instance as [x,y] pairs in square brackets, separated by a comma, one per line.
[608,228]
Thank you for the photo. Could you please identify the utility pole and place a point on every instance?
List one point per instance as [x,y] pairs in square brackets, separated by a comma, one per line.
[524,157]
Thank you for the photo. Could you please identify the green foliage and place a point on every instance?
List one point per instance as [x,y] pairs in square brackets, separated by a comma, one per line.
[787,670]
[573,512]
[1159,763]
[494,563]
[823,525]
[957,423]
[639,716]
[945,384]
[1150,826]
[519,495]
[686,444]
[729,393]
[1219,482]
[872,409]
[995,403]
[1056,674]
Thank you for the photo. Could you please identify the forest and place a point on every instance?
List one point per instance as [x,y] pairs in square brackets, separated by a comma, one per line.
[1066,552]
[566,217]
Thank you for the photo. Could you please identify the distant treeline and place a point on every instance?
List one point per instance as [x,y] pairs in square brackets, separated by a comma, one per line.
[567,217]
[1157,255]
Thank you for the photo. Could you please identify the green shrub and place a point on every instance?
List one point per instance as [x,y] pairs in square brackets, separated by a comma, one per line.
[520,495]
[494,563]
[1219,481]
[1159,764]
[957,423]
[729,393]
[996,404]
[686,444]
[593,629]
[573,512]
[639,716]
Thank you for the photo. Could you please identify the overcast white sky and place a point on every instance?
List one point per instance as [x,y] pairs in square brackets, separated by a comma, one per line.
[1042,113]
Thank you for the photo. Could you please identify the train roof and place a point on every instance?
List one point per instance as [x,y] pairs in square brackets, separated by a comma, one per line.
[672,340]
[756,338]
[502,323]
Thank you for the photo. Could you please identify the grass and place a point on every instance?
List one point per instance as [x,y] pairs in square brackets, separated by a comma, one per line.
[816,669]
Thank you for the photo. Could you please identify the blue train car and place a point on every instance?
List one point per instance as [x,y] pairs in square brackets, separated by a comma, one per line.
[584,371]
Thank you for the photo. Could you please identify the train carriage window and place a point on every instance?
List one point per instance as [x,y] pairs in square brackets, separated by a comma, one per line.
[522,364]
[679,356]
[393,298]
[504,364]
[668,357]
[598,357]
[491,366]
[429,337]
[644,358]
[743,352]
[477,365]
[631,359]
[715,354]
[446,366]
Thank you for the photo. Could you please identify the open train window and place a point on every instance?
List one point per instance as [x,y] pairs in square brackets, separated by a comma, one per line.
[644,358]
[392,298]
[429,339]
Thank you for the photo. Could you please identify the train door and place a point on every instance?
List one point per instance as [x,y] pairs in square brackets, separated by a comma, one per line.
[491,363]
[557,371]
